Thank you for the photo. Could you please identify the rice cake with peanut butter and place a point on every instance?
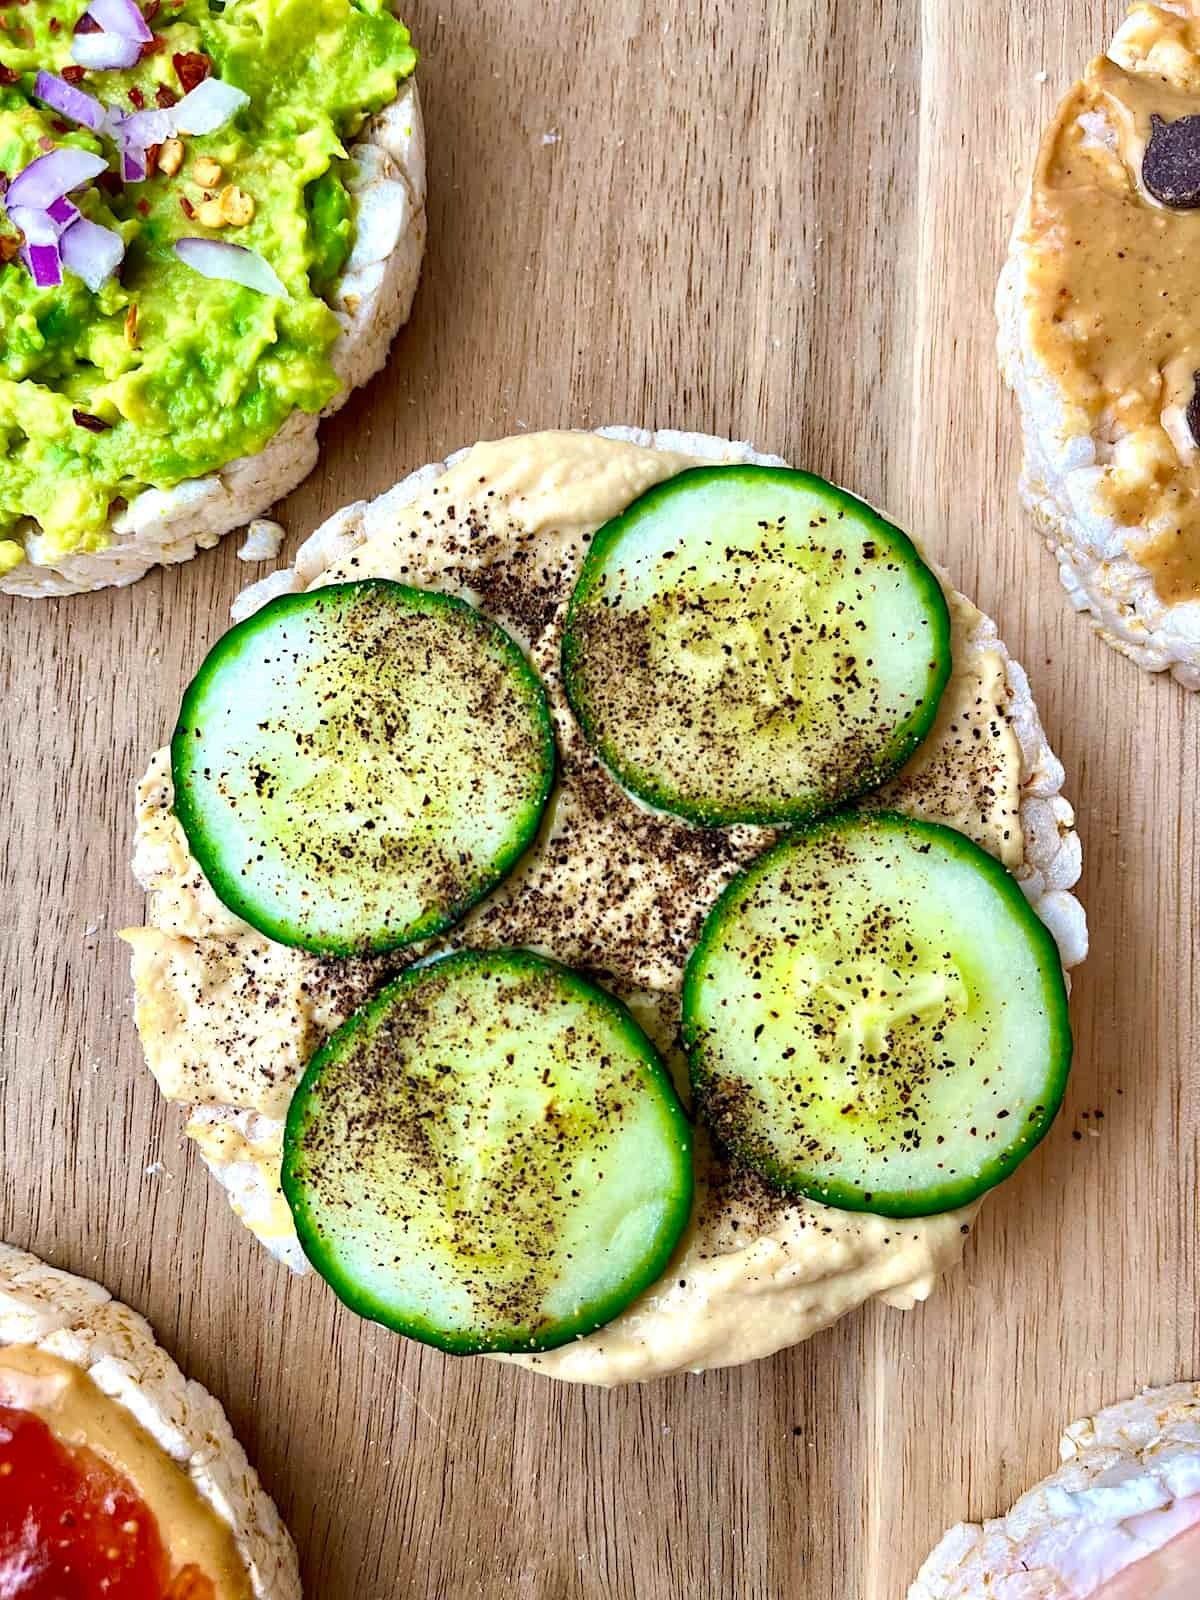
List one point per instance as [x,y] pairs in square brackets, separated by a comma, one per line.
[228,1019]
[1100,340]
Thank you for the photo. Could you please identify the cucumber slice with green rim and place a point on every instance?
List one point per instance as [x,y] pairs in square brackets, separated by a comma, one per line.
[356,766]
[490,1155]
[875,1017]
[753,644]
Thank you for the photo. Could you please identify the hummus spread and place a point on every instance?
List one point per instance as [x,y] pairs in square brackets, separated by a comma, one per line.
[228,1019]
[79,1415]
[1109,282]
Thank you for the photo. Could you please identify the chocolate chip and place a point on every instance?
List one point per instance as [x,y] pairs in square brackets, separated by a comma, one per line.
[1193,408]
[1171,165]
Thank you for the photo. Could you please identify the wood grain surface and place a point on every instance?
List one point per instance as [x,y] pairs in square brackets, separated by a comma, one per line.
[780,221]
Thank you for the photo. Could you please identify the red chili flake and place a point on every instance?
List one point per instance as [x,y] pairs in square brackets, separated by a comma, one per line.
[143,207]
[165,96]
[192,68]
[84,419]
[55,25]
[7,75]
[151,10]
[45,142]
[189,209]
[74,74]
[136,97]
[60,127]
[153,47]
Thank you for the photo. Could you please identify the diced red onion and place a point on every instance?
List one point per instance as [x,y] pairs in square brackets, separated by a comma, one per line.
[105,51]
[92,252]
[131,152]
[37,227]
[44,227]
[216,258]
[44,263]
[62,212]
[50,177]
[64,97]
[207,107]
[141,129]
[134,135]
[122,17]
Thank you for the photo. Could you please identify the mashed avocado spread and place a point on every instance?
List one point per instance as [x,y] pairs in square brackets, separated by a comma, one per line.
[177,374]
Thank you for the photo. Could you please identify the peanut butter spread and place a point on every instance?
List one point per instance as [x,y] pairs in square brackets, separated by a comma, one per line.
[80,1414]
[228,1019]
[1112,240]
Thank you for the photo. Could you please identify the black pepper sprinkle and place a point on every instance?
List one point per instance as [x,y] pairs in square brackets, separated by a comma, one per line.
[528,598]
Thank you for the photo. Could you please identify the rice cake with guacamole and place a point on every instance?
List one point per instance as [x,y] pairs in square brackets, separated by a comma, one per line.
[211,225]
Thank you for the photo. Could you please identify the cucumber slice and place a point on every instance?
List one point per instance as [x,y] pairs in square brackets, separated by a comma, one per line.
[357,766]
[876,1018]
[490,1155]
[752,644]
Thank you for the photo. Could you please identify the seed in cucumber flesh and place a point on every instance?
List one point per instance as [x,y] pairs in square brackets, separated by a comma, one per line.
[356,766]
[875,1017]
[753,644]
[490,1155]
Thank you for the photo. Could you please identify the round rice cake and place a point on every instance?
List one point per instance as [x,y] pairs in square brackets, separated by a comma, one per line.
[1099,339]
[1119,1520]
[228,1019]
[52,1320]
[372,299]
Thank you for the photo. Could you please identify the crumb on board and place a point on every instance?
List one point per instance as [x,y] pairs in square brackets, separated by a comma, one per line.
[263,540]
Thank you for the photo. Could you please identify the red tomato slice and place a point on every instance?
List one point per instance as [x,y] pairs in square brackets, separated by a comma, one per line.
[71,1528]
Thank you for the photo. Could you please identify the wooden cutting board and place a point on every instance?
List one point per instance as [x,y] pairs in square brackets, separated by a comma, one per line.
[780,221]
